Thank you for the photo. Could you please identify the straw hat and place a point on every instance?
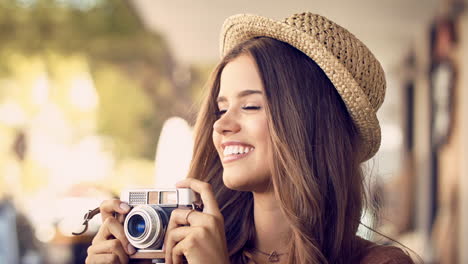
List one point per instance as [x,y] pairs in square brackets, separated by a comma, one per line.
[348,63]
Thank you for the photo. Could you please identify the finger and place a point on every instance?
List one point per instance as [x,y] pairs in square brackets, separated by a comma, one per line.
[103,258]
[179,218]
[191,217]
[121,218]
[206,193]
[113,246]
[175,221]
[177,254]
[172,238]
[180,250]
[109,207]
[111,227]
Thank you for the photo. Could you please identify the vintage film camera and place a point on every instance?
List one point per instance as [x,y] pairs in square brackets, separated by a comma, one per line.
[145,225]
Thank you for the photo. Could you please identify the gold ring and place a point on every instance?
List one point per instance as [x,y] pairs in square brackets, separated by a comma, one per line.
[187,215]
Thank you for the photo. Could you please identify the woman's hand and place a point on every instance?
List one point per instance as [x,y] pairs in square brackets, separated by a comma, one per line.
[199,236]
[110,245]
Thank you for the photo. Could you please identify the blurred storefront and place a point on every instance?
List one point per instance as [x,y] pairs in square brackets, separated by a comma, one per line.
[433,182]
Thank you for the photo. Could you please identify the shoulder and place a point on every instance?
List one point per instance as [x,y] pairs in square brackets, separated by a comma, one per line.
[372,253]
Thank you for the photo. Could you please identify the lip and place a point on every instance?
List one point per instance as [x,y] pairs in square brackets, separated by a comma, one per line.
[232,158]
[238,143]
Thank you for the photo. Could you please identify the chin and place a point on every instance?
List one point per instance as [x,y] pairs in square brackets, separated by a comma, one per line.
[235,184]
[243,184]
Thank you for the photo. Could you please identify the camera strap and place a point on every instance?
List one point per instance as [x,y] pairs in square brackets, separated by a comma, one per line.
[88,216]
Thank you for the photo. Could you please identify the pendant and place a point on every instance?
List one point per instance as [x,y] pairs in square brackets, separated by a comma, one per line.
[274,257]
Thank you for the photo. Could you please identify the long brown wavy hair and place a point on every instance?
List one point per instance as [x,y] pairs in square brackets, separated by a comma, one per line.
[316,172]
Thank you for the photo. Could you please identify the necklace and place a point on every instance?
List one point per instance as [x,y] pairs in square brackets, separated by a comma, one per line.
[272,257]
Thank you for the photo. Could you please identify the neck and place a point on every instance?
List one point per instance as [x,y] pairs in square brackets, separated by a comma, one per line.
[272,230]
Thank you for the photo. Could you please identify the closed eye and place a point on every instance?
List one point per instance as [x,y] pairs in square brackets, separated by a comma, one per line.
[251,107]
[219,113]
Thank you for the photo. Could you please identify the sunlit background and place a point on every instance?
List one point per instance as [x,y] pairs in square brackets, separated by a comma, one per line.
[101,95]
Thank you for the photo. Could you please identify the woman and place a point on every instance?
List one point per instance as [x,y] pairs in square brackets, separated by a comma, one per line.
[289,118]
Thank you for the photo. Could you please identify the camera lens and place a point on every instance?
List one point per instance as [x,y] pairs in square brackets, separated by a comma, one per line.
[136,225]
[145,226]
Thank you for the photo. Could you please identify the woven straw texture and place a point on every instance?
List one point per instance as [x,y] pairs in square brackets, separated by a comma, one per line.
[348,63]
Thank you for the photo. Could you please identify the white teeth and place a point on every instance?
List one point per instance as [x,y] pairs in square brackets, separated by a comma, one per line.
[236,150]
[240,150]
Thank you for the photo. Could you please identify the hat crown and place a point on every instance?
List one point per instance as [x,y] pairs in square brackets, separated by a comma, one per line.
[349,50]
[346,61]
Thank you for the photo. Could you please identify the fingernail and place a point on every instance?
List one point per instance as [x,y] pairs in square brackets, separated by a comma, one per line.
[124,207]
[131,249]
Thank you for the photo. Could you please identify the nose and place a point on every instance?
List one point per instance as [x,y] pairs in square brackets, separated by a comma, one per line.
[226,124]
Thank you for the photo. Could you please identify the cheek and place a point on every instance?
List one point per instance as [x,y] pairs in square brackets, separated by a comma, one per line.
[261,132]
[266,144]
[216,139]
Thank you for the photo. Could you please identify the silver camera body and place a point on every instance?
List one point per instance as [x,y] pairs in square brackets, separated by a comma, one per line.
[146,223]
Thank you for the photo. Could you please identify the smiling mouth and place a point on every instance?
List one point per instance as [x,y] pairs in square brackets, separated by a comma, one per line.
[233,153]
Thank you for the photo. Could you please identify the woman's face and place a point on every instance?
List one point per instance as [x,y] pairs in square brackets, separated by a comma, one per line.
[241,134]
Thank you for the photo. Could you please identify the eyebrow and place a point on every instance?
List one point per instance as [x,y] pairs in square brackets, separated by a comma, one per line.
[239,95]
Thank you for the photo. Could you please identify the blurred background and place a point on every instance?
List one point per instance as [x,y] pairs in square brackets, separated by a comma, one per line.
[101,95]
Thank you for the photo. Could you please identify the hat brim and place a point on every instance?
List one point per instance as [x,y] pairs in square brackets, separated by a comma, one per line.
[239,28]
